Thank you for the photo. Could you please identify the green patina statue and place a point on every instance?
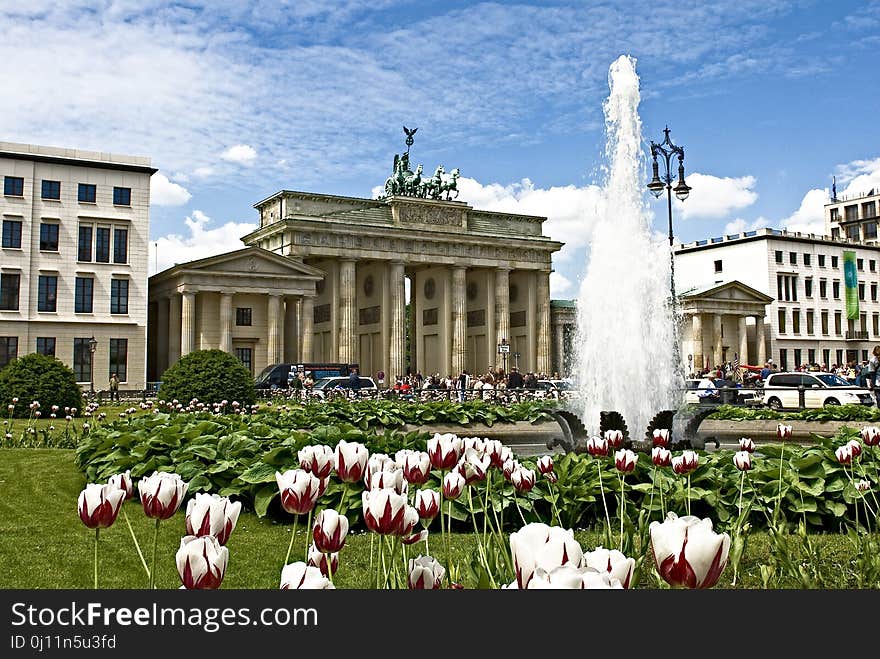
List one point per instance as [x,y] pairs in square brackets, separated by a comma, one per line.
[405,182]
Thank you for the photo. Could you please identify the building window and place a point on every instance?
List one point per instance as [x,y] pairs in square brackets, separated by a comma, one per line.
[862,291]
[823,288]
[8,349]
[824,317]
[120,245]
[797,357]
[783,359]
[839,354]
[863,324]
[243,316]
[246,357]
[122,197]
[82,360]
[47,293]
[835,214]
[869,209]
[85,290]
[876,322]
[835,233]
[84,250]
[833,261]
[717,266]
[46,345]
[851,212]
[864,355]
[792,258]
[119,359]
[782,321]
[13,186]
[102,245]
[810,323]
[860,264]
[835,289]
[870,229]
[87,192]
[873,292]
[806,259]
[9,286]
[838,323]
[821,258]
[852,232]
[808,287]
[12,233]
[778,257]
[796,321]
[811,356]
[826,358]
[51,190]
[872,265]
[48,237]
[119,296]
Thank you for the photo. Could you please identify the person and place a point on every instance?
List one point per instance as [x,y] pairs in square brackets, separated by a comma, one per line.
[871,378]
[354,381]
[114,387]
[515,379]
[462,384]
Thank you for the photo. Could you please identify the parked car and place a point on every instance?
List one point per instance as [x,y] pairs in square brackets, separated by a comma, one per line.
[820,390]
[717,391]
[322,386]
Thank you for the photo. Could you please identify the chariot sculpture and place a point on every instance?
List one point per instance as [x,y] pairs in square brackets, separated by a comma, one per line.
[407,183]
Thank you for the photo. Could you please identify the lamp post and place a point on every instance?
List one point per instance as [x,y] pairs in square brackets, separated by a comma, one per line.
[504,350]
[93,344]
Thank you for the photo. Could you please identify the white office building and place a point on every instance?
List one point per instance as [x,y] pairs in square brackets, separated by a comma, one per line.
[73,261]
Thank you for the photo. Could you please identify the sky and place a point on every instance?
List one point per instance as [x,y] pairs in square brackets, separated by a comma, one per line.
[235,101]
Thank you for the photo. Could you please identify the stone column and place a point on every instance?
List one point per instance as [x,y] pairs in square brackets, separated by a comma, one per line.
[291,329]
[162,309]
[716,339]
[502,304]
[743,341]
[542,308]
[276,337]
[560,349]
[761,339]
[187,323]
[347,301]
[459,331]
[307,317]
[697,342]
[413,310]
[397,330]
[174,322]
[226,322]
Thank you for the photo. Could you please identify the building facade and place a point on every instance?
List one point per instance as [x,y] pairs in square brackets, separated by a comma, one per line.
[804,274]
[853,217]
[73,261]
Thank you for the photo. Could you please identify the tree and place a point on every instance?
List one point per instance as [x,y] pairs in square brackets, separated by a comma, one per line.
[40,378]
[211,376]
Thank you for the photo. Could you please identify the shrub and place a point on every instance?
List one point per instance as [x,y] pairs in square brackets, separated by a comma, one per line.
[41,378]
[211,376]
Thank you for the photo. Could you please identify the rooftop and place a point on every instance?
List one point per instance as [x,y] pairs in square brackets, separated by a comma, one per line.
[760,234]
[75,156]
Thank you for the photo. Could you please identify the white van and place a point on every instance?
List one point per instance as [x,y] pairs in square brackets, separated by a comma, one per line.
[368,386]
[820,390]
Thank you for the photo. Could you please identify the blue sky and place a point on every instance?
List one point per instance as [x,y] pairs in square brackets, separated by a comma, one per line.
[234,101]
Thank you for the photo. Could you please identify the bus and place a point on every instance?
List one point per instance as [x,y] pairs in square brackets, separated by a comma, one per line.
[279,376]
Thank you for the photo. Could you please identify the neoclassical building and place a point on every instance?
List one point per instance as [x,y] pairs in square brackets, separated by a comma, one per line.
[324,279]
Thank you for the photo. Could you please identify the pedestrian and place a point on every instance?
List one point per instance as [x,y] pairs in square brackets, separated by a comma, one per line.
[462,384]
[872,377]
[354,381]
[515,379]
[114,387]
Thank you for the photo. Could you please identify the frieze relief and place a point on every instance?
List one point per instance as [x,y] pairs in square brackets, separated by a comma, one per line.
[431,215]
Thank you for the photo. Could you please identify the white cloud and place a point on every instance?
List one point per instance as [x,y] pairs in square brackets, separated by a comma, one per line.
[203,172]
[713,197]
[810,217]
[739,225]
[560,285]
[201,242]
[860,177]
[164,192]
[243,154]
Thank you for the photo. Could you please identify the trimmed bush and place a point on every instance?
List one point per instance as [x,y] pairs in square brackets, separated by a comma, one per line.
[41,378]
[211,376]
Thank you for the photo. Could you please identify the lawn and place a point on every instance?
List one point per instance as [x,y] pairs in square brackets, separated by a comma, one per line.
[43,544]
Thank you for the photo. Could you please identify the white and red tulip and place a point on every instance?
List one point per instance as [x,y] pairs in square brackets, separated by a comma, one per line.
[99,505]
[330,531]
[612,562]
[870,435]
[383,510]
[742,460]
[545,464]
[539,545]
[322,561]
[783,431]
[201,562]
[427,503]
[301,576]
[746,444]
[453,485]
[523,480]
[473,465]
[444,450]
[350,461]
[317,459]
[855,447]
[685,463]
[660,456]
[687,552]
[417,467]
[844,454]
[597,447]
[211,514]
[299,490]
[161,494]
[660,437]
[614,439]
[123,482]
[425,573]
[625,461]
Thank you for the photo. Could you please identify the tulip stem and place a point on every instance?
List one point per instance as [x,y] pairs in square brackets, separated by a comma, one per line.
[519,510]
[779,492]
[372,538]
[155,547]
[689,494]
[97,531]
[742,482]
[329,559]
[622,510]
[486,505]
[609,539]
[292,536]
[136,545]
[308,534]
[653,483]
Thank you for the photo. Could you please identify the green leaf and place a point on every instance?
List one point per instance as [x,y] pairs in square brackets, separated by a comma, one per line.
[263,498]
[259,473]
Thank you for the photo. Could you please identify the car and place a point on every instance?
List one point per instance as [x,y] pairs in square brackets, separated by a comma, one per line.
[716,391]
[782,391]
[323,385]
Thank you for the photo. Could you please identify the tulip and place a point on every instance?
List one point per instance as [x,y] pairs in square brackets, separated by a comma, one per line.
[211,514]
[351,461]
[742,460]
[509,467]
[425,573]
[123,482]
[317,460]
[614,438]
[687,552]
[660,456]
[863,485]
[300,576]
[870,435]
[496,452]
[383,510]
[330,531]
[299,490]
[625,461]
[453,485]
[597,447]
[844,454]
[612,562]
[551,477]
[99,505]
[685,463]
[539,545]
[474,443]
[783,431]
[387,479]
[523,480]
[660,437]
[322,561]
[427,503]
[408,521]
[601,581]
[161,494]
[201,562]
[417,467]
[413,538]
[545,464]
[746,444]
[855,447]
[444,450]
[473,465]
[380,462]
[562,577]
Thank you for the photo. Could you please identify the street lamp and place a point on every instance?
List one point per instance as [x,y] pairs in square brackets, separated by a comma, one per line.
[93,344]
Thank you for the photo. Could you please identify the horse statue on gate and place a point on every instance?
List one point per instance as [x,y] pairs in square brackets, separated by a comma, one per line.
[431,187]
[449,184]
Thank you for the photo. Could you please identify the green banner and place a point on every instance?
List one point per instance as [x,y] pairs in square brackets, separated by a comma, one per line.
[851,283]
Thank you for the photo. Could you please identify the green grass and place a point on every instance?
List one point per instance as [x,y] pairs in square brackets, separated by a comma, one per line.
[43,544]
